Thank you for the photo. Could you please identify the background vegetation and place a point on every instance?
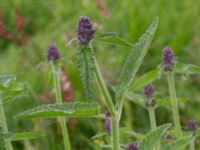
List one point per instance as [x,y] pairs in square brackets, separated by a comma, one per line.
[27,27]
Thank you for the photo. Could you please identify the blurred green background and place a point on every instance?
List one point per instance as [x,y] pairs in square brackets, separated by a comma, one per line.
[28,26]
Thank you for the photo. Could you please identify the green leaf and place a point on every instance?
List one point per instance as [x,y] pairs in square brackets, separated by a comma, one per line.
[179,143]
[5,80]
[112,38]
[166,102]
[13,91]
[144,80]
[71,109]
[130,133]
[134,61]
[187,69]
[150,141]
[23,136]
[10,89]
[136,98]
[99,135]
[85,61]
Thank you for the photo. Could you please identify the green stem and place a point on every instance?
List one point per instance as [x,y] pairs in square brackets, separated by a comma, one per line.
[129,114]
[56,79]
[192,144]
[115,134]
[110,106]
[3,123]
[104,89]
[174,104]
[152,118]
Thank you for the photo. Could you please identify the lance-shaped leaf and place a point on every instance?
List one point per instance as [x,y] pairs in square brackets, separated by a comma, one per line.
[71,109]
[112,38]
[145,79]
[136,98]
[23,136]
[187,69]
[134,61]
[179,143]
[150,141]
[85,61]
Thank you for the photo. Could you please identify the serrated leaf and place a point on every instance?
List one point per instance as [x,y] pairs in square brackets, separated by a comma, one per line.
[85,61]
[187,69]
[13,91]
[5,80]
[112,38]
[71,109]
[134,61]
[23,136]
[144,80]
[179,143]
[150,141]
[10,89]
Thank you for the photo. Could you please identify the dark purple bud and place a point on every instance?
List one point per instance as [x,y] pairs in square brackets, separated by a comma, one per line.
[107,125]
[168,59]
[132,147]
[107,113]
[191,125]
[85,31]
[148,90]
[153,103]
[52,53]
[168,137]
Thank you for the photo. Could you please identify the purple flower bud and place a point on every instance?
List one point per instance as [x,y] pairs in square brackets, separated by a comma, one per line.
[191,125]
[168,59]
[148,90]
[107,113]
[85,31]
[133,147]
[52,53]
[168,137]
[107,125]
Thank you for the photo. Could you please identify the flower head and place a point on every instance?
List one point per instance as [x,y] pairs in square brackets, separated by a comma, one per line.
[132,147]
[168,59]
[85,31]
[107,125]
[191,125]
[148,90]
[52,53]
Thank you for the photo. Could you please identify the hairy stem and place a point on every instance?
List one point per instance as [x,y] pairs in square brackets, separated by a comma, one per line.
[104,89]
[152,118]
[192,144]
[3,123]
[115,134]
[174,104]
[56,79]
[110,106]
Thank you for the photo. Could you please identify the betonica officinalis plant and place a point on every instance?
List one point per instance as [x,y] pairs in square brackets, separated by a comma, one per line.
[142,91]
[11,90]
